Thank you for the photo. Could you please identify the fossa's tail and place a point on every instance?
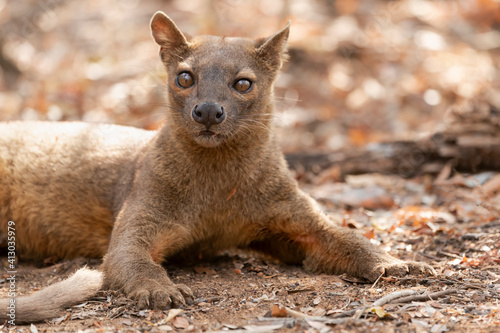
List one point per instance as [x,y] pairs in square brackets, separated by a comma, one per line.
[49,303]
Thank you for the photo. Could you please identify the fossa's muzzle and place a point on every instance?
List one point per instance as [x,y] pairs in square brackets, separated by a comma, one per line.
[208,114]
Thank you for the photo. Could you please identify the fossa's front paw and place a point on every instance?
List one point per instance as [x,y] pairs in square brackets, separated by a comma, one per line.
[395,267]
[155,294]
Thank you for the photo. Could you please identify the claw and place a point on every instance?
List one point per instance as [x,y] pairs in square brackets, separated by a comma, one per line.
[163,296]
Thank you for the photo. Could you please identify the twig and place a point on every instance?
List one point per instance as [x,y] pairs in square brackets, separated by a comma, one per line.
[297,314]
[356,313]
[335,294]
[291,322]
[376,281]
[328,321]
[359,311]
[349,313]
[347,304]
[425,297]
[470,285]
[423,254]
[400,296]
[208,300]
[300,315]
[392,296]
[495,276]
[294,291]
[447,254]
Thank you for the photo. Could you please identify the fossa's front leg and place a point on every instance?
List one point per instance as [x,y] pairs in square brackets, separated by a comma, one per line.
[140,240]
[304,231]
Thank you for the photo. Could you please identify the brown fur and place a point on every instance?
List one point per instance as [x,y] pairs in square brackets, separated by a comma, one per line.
[73,188]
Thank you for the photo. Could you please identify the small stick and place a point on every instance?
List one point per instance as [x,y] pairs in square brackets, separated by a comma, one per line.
[495,276]
[392,296]
[296,314]
[376,281]
[425,297]
[348,313]
[347,304]
[470,285]
[359,312]
[356,313]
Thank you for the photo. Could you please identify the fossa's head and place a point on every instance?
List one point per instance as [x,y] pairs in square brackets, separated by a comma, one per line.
[219,87]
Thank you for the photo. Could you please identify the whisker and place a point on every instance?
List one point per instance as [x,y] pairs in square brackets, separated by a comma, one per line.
[245,122]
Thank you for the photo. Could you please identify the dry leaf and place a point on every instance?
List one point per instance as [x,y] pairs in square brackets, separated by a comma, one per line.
[278,312]
[318,312]
[380,312]
[180,322]
[492,186]
[125,321]
[370,234]
[171,315]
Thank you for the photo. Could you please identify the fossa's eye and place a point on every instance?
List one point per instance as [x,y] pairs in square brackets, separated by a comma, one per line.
[242,85]
[184,80]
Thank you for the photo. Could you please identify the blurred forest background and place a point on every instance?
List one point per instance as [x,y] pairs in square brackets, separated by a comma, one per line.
[360,71]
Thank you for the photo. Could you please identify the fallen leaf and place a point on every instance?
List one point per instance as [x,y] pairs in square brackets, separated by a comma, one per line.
[492,186]
[371,197]
[370,234]
[448,273]
[278,312]
[180,322]
[430,310]
[470,262]
[380,312]
[318,312]
[171,315]
[125,321]
[444,174]
[61,319]
[231,327]
[420,216]
[439,328]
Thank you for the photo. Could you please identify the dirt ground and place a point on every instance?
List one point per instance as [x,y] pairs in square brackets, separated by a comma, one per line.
[360,72]
[242,291]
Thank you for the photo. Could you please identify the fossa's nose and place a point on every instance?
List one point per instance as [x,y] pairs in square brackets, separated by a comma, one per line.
[208,114]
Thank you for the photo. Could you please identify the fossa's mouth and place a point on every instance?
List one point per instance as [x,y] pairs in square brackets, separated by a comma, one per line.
[209,138]
[207,133]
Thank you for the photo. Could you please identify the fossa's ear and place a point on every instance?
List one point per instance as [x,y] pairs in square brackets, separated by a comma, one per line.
[167,35]
[271,50]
